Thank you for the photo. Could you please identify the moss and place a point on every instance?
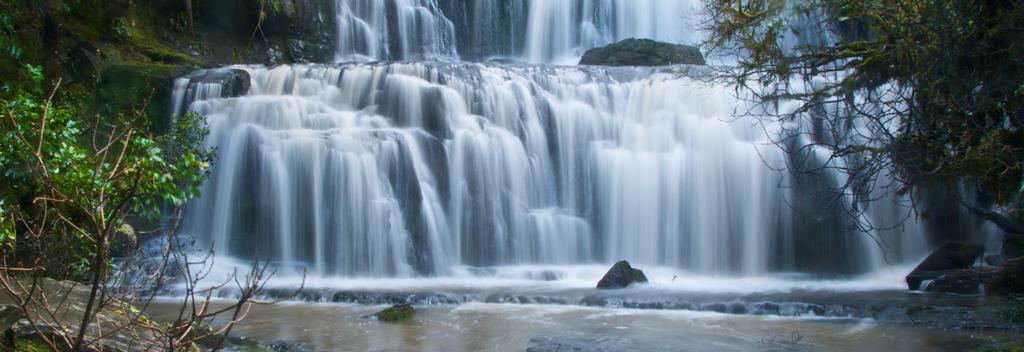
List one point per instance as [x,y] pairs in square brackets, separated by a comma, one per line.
[26,345]
[152,48]
[397,312]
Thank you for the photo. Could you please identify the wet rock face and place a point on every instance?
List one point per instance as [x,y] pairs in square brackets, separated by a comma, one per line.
[962,281]
[621,275]
[643,52]
[951,256]
[235,82]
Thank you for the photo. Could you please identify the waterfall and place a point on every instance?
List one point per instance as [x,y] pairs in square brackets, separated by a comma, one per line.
[537,31]
[425,163]
[560,31]
[393,30]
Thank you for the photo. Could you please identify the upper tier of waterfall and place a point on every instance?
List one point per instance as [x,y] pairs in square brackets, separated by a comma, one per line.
[535,31]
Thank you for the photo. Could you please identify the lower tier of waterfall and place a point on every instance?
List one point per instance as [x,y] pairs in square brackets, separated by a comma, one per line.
[412,169]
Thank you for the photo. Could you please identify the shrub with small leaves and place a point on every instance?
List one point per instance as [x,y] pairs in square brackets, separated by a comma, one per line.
[123,30]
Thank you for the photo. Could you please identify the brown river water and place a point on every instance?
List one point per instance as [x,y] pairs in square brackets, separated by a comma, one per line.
[519,327]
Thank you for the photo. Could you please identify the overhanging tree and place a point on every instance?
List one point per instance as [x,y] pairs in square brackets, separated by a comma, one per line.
[70,186]
[901,90]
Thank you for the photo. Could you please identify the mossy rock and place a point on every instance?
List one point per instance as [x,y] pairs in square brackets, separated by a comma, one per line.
[643,52]
[396,313]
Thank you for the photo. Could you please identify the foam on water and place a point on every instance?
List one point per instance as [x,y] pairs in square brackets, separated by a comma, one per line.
[556,278]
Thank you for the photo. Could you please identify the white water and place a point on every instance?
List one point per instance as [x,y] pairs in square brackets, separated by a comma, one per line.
[416,29]
[409,169]
[538,31]
[563,279]
[421,168]
[560,31]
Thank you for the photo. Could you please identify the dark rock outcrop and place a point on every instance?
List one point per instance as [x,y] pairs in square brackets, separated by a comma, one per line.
[963,281]
[621,275]
[643,52]
[1010,279]
[395,313]
[235,82]
[950,256]
[1013,245]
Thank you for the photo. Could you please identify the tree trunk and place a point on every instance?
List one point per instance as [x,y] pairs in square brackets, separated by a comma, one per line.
[51,41]
[189,18]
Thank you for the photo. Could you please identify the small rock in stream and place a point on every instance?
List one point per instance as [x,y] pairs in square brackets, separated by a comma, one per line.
[395,313]
[621,275]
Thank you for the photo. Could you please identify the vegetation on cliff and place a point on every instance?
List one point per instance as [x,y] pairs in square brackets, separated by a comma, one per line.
[89,152]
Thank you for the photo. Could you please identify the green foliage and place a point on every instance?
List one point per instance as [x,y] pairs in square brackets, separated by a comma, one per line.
[123,30]
[26,345]
[275,6]
[8,45]
[74,181]
[937,84]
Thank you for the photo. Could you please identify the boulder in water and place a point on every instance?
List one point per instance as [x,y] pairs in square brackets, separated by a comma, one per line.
[621,275]
[397,312]
[949,256]
[643,52]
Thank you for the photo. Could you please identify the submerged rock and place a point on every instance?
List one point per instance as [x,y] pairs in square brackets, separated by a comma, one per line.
[951,256]
[643,52]
[395,313]
[621,275]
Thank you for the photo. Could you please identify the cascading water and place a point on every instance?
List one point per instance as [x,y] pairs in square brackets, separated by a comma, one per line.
[537,31]
[395,30]
[417,168]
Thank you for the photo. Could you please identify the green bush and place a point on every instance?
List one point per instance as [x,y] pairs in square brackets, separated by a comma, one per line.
[123,30]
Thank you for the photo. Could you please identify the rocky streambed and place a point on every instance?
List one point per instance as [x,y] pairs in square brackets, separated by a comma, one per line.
[478,326]
[560,309]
